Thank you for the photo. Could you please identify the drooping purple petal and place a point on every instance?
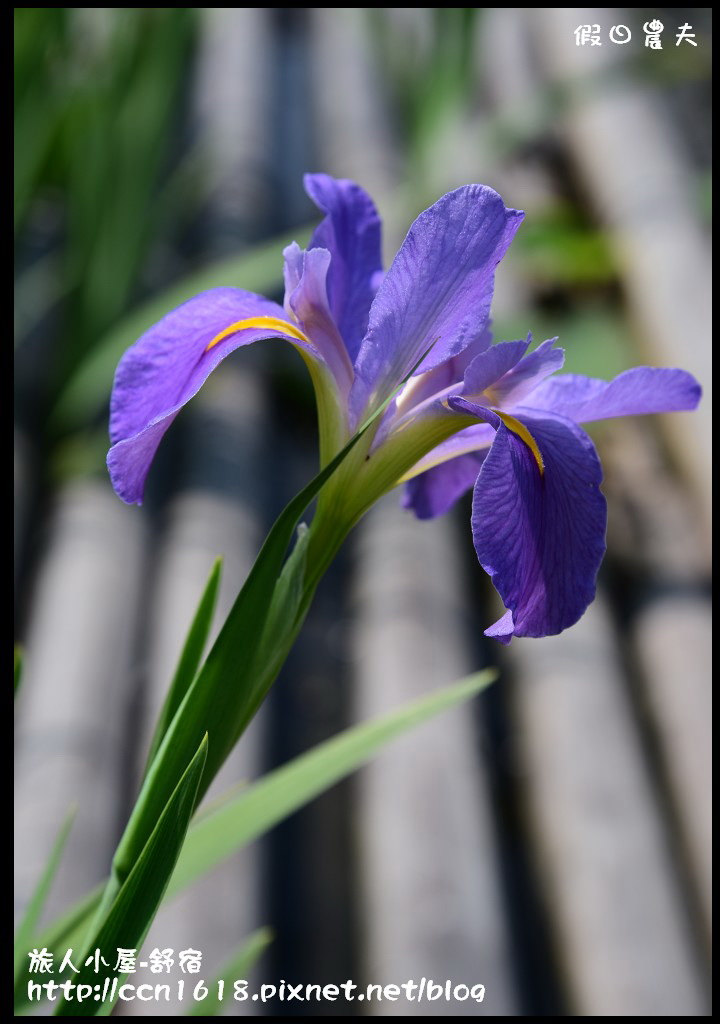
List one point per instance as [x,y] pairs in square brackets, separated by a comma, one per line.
[434,492]
[306,302]
[351,232]
[168,365]
[644,389]
[436,293]
[540,536]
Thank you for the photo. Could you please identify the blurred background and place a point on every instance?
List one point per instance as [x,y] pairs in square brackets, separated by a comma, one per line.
[553,841]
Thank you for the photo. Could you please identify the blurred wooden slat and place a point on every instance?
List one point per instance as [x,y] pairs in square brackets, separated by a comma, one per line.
[232,102]
[662,538]
[354,138]
[78,682]
[609,883]
[672,638]
[430,893]
[638,178]
[653,532]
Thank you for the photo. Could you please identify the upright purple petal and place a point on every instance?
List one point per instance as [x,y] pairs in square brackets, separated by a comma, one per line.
[519,382]
[493,364]
[540,535]
[507,374]
[641,390]
[169,364]
[437,291]
[306,302]
[351,232]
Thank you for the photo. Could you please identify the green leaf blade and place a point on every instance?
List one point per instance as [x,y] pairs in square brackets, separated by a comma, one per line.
[225,692]
[229,827]
[238,966]
[131,914]
[17,675]
[190,658]
[26,928]
[283,791]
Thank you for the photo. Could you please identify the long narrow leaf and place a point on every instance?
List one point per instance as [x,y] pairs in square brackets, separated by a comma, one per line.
[67,930]
[248,814]
[17,678]
[239,966]
[26,928]
[221,694]
[189,659]
[136,904]
[262,805]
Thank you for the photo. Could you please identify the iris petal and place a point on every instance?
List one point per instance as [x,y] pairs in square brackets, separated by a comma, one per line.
[541,538]
[436,295]
[490,366]
[169,364]
[306,300]
[525,377]
[351,232]
[434,492]
[644,389]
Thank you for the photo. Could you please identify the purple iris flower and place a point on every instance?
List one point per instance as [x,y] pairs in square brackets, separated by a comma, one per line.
[472,413]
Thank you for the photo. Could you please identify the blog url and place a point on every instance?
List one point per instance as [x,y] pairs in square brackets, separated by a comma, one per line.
[240,991]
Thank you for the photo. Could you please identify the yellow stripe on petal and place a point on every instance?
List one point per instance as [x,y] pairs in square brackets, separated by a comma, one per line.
[524,434]
[270,323]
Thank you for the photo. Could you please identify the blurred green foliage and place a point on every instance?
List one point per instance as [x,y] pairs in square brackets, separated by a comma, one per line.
[95,94]
[430,74]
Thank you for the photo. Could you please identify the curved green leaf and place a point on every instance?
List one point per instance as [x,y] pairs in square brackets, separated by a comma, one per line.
[130,916]
[239,966]
[189,659]
[26,928]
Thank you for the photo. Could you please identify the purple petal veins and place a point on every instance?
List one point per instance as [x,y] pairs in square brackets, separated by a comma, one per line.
[168,365]
[540,537]
[351,232]
[538,515]
[436,294]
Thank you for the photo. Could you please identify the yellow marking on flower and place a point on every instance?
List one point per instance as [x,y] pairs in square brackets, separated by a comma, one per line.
[269,322]
[524,434]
